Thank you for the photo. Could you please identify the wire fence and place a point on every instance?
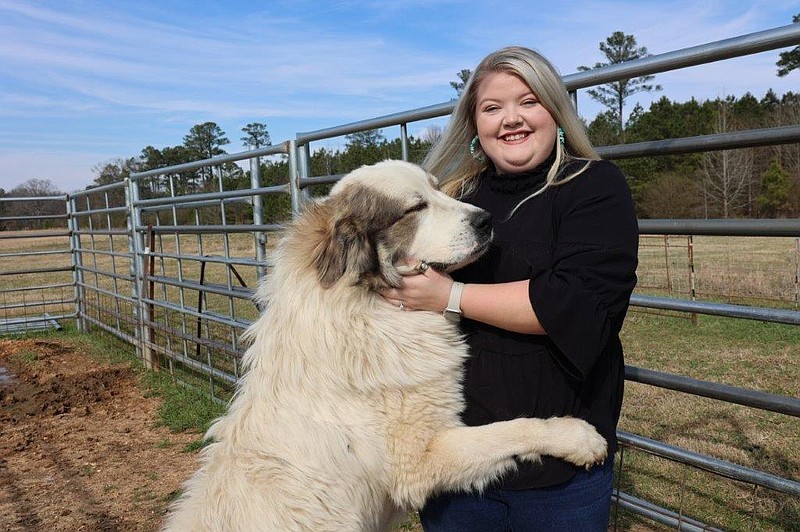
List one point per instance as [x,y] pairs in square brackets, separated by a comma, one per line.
[173,274]
[742,270]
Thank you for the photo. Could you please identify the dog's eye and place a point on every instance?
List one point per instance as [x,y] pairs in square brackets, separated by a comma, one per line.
[416,207]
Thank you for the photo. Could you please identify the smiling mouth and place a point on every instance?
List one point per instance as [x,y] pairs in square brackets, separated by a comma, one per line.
[514,137]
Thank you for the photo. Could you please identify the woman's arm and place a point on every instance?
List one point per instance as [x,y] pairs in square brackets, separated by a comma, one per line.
[503,305]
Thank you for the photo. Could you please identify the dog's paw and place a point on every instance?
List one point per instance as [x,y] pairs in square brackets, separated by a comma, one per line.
[577,442]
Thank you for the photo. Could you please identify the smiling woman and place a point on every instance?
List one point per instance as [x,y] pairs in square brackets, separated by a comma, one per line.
[542,309]
[514,130]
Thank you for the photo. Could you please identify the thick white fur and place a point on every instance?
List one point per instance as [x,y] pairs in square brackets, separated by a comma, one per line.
[348,415]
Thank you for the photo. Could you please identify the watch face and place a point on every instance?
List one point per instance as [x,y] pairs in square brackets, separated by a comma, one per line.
[452,315]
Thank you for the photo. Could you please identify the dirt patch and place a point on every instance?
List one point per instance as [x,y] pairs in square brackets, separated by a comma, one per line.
[79,449]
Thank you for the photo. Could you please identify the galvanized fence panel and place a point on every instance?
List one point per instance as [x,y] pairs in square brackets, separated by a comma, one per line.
[199,256]
[37,285]
[105,273]
[168,261]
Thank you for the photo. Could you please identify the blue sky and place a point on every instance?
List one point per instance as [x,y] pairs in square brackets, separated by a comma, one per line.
[85,82]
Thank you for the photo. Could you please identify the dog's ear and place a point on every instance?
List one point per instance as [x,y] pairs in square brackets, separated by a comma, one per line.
[387,274]
[345,245]
[354,243]
[347,250]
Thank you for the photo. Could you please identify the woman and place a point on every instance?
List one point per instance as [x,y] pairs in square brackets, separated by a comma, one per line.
[542,310]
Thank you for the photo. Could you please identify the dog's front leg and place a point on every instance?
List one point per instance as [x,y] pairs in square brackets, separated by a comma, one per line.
[464,458]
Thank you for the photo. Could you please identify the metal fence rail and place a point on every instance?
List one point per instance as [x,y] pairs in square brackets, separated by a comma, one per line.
[171,267]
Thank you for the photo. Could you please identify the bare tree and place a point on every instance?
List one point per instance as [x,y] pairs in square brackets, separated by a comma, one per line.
[726,173]
[432,134]
[671,195]
[786,112]
[28,210]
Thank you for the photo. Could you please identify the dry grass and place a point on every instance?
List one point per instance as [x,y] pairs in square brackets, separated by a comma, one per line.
[757,270]
[13,301]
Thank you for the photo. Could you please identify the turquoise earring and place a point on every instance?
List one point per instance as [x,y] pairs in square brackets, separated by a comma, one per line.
[473,149]
[561,139]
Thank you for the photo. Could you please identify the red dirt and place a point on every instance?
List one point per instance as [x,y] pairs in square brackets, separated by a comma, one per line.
[79,449]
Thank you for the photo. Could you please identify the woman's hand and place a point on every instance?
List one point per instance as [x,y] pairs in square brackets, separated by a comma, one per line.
[428,289]
[503,305]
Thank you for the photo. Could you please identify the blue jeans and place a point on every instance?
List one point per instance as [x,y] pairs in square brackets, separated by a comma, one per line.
[581,504]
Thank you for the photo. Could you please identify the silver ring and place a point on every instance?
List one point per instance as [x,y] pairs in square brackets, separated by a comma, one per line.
[402,305]
[423,266]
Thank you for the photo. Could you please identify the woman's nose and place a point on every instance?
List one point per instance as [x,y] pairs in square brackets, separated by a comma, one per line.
[511,116]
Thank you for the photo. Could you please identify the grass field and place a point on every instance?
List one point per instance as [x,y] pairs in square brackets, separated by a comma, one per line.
[760,356]
[755,270]
[753,355]
[752,270]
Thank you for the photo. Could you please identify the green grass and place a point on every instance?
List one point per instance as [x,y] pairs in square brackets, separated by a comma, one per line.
[732,351]
[101,347]
[747,354]
[182,408]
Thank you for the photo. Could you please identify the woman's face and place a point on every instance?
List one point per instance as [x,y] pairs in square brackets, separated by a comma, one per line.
[515,131]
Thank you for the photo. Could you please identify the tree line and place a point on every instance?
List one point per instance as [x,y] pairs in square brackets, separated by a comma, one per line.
[762,182]
[751,182]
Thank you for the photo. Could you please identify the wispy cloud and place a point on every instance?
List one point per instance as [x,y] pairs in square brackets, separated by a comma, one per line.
[114,77]
[150,54]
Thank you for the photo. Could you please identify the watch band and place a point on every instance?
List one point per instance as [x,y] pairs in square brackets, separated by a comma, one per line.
[454,304]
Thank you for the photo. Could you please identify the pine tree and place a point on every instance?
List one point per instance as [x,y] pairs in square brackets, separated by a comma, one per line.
[789,60]
[619,48]
[775,189]
[463,77]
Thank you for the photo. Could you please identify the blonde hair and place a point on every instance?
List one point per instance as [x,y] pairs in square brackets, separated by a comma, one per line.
[450,159]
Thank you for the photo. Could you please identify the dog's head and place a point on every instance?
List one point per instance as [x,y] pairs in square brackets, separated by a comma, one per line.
[378,215]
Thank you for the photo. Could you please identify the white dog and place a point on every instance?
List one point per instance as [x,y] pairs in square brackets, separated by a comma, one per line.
[348,415]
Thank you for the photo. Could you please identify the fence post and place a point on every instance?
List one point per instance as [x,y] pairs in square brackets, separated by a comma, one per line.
[140,252]
[666,264]
[404,140]
[797,273]
[77,261]
[258,217]
[134,272]
[692,276]
[297,166]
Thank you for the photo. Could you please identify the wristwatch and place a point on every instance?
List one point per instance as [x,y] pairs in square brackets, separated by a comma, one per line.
[452,311]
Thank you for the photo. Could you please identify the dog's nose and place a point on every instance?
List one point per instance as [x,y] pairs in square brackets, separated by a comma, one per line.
[482,220]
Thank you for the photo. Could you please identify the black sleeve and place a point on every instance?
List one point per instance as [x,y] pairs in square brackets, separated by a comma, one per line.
[582,298]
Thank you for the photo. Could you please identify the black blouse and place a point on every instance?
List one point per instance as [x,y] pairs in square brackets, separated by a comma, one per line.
[577,243]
